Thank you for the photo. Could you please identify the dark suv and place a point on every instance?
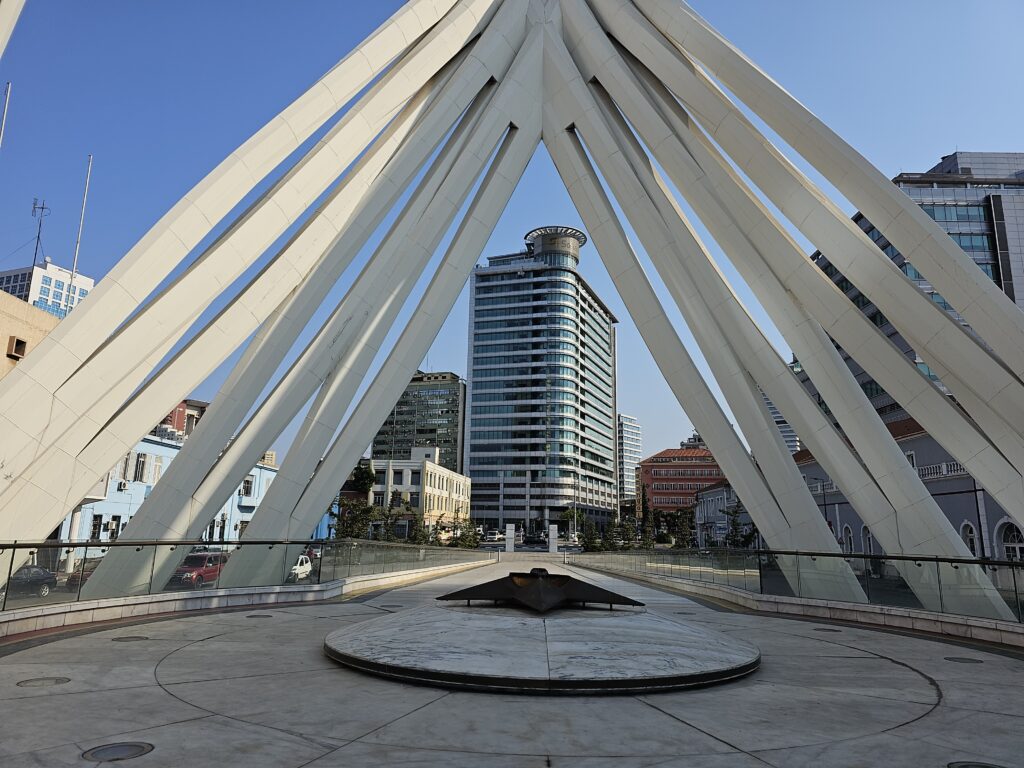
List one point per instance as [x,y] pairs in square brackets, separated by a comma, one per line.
[198,568]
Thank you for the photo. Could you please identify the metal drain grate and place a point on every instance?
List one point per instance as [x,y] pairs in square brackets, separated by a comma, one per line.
[964,660]
[124,750]
[42,682]
[826,629]
[128,639]
[685,613]
[972,764]
[392,606]
[259,616]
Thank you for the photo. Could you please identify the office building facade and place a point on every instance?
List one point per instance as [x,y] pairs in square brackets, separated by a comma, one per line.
[978,199]
[47,287]
[541,388]
[430,413]
[630,447]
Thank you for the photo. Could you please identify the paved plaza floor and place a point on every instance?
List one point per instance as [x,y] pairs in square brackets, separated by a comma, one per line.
[253,688]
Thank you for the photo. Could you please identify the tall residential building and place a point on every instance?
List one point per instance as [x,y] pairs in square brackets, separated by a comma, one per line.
[630,451]
[430,413]
[47,286]
[789,435]
[541,433]
[978,199]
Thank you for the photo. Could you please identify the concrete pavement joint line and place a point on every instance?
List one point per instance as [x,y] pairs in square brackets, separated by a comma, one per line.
[204,709]
[719,739]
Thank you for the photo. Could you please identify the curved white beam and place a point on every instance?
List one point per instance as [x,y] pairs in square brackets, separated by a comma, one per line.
[39,416]
[921,241]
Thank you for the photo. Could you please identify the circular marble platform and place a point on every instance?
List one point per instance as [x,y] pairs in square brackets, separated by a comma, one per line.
[568,651]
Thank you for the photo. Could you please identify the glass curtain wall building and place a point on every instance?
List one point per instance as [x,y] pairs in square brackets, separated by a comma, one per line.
[630,452]
[978,199]
[429,414]
[541,388]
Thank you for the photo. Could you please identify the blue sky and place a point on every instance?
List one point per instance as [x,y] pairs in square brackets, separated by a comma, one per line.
[161,92]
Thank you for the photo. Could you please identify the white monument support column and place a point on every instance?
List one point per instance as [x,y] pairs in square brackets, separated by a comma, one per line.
[36,411]
[154,257]
[9,12]
[510,537]
[732,220]
[921,241]
[553,539]
[127,355]
[934,334]
[491,198]
[669,353]
[347,341]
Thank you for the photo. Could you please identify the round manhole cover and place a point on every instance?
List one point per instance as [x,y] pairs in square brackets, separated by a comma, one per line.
[124,750]
[826,629]
[128,639]
[965,660]
[43,682]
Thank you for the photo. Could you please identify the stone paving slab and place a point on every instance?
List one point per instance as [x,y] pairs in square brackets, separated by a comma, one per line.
[224,690]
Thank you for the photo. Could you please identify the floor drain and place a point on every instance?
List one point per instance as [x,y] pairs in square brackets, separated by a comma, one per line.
[43,682]
[972,764]
[124,750]
[128,639]
[965,660]
[685,613]
[392,606]
[259,616]
[826,629]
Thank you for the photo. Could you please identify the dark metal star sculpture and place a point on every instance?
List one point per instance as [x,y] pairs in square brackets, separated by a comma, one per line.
[540,591]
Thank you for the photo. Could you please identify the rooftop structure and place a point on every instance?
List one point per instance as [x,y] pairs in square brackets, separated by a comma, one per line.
[47,287]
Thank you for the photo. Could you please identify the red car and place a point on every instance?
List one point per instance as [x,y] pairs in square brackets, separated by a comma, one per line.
[198,569]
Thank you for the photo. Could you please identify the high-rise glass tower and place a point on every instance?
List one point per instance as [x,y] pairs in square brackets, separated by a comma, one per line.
[630,449]
[429,414]
[541,387]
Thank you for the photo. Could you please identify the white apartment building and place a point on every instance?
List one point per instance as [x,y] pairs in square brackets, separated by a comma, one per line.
[437,492]
[630,446]
[47,286]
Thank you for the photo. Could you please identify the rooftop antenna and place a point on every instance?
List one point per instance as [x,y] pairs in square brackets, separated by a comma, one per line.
[40,211]
[78,240]
[3,116]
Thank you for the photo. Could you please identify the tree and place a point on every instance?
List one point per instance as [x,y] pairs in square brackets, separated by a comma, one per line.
[738,535]
[362,479]
[466,534]
[573,517]
[418,533]
[627,531]
[437,532]
[590,540]
[685,532]
[352,519]
[647,533]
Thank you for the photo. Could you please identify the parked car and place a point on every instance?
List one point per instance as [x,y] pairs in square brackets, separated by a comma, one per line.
[30,580]
[77,578]
[302,569]
[534,540]
[494,535]
[198,569]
